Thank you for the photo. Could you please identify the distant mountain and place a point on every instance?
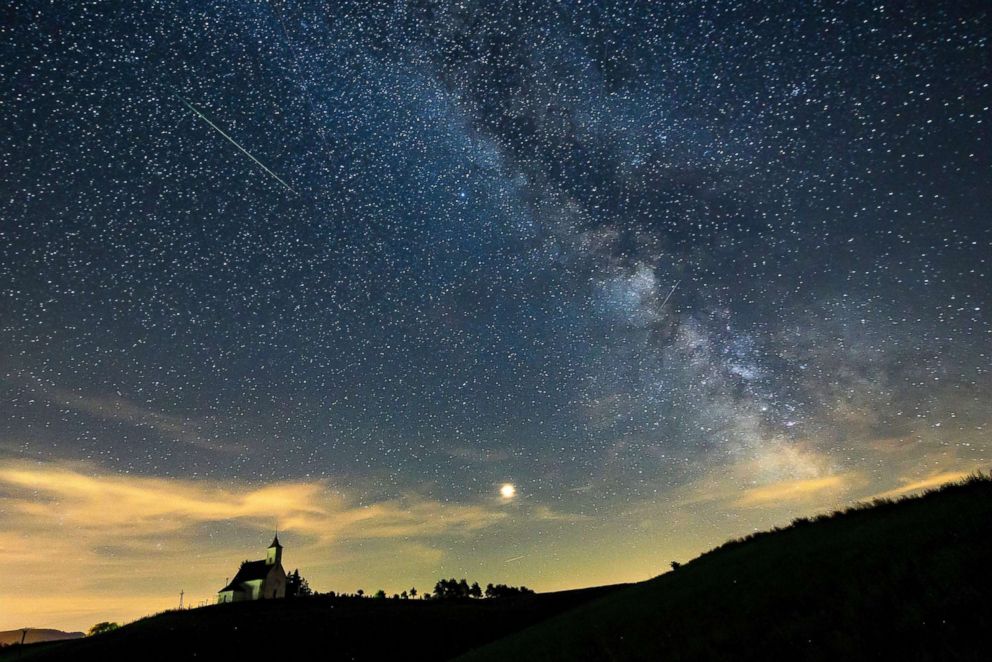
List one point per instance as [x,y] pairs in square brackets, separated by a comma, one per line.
[906,580]
[36,635]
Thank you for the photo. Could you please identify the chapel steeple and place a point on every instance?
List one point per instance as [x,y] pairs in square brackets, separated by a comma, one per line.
[273,556]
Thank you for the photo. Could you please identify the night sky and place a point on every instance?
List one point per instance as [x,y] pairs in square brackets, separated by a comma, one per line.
[676,271]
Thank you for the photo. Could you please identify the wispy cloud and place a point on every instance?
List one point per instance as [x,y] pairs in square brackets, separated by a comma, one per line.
[211,433]
[546,514]
[916,485]
[135,506]
[775,474]
[478,455]
[200,432]
[790,491]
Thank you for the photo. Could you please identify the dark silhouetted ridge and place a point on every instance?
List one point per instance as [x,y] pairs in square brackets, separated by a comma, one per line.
[887,580]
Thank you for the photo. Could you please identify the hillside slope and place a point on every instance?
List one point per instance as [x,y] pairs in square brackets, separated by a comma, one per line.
[908,580]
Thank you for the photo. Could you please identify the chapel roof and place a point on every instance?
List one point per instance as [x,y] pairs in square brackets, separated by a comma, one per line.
[249,570]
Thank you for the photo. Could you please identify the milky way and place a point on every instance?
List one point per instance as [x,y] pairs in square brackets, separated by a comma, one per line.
[658,264]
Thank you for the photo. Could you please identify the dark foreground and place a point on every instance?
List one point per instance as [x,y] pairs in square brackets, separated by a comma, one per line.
[905,581]
[319,628]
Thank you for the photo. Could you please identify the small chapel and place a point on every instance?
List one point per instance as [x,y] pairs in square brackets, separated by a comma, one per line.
[264,579]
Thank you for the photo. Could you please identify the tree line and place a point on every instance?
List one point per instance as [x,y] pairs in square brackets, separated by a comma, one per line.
[452,588]
[444,589]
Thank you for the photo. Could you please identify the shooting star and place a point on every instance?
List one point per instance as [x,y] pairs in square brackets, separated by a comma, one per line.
[235,143]
[515,558]
[669,295]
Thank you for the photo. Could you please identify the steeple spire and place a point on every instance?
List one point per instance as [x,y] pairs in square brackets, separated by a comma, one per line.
[273,555]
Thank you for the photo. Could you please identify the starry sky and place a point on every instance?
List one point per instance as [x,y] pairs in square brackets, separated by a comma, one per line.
[676,271]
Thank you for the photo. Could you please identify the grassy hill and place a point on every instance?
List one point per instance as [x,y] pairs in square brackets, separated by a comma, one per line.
[908,580]
[339,628]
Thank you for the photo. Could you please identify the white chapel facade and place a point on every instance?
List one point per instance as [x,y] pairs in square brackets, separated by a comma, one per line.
[264,579]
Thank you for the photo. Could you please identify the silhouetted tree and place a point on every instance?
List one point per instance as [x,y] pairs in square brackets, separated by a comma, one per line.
[504,591]
[359,592]
[451,588]
[413,592]
[297,586]
[380,594]
[676,565]
[100,628]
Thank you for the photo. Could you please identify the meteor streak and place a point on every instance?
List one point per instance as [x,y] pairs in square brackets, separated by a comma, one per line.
[669,294]
[235,143]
